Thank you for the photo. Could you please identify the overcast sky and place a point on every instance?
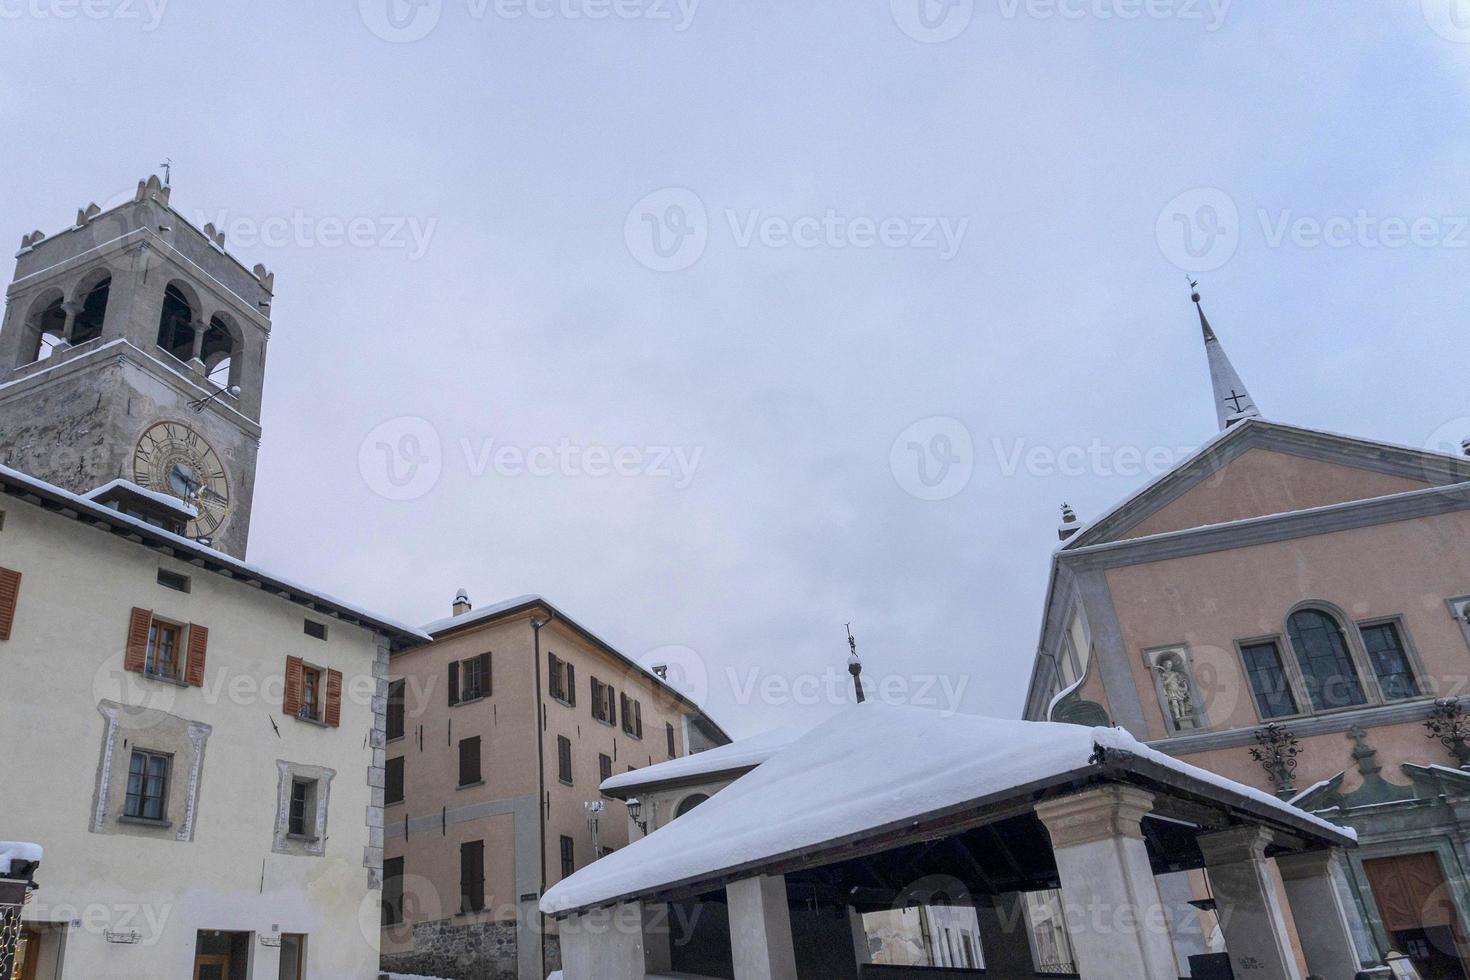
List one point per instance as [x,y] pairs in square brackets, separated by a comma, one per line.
[724,324]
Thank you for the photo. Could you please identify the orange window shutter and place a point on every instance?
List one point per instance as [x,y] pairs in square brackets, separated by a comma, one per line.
[334,698]
[198,645]
[136,657]
[292,703]
[9,595]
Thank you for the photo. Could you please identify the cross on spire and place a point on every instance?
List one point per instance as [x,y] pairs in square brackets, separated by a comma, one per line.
[1233,401]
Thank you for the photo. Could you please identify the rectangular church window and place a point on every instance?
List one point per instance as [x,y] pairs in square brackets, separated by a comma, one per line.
[1268,680]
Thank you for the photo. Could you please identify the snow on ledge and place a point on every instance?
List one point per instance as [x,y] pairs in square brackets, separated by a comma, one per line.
[18,852]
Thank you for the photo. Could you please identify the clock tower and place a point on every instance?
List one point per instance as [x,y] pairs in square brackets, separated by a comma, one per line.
[133,349]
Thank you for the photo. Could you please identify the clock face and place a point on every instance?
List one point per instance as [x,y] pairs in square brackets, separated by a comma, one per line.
[172,458]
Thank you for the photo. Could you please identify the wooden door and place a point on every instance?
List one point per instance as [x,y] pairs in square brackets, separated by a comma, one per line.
[211,967]
[27,952]
[1418,912]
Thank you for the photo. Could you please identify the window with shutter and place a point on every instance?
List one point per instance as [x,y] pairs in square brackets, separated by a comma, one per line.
[564,759]
[469,761]
[393,781]
[295,671]
[472,876]
[395,709]
[198,644]
[9,596]
[334,699]
[604,767]
[669,736]
[568,858]
[392,891]
[571,686]
[453,683]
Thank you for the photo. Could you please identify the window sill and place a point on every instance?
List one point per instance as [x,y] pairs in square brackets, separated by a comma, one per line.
[565,782]
[315,722]
[303,838]
[165,679]
[604,721]
[388,803]
[474,700]
[146,822]
[563,701]
[478,782]
[395,738]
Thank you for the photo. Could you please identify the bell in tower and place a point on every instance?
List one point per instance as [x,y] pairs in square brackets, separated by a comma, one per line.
[132,359]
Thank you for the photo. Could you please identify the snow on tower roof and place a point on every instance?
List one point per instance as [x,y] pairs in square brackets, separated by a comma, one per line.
[738,756]
[878,767]
[13,852]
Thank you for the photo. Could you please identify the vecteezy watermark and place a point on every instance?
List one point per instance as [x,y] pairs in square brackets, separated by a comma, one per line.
[569,459]
[1450,19]
[133,923]
[406,21]
[1095,458]
[932,21]
[1200,230]
[409,234]
[147,14]
[1209,13]
[669,230]
[403,459]
[934,458]
[833,686]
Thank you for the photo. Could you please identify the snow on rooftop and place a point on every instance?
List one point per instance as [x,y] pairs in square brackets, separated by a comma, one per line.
[18,852]
[746,753]
[190,546]
[868,767]
[484,612]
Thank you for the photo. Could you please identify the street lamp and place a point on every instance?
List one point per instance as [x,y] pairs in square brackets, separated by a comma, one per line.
[635,810]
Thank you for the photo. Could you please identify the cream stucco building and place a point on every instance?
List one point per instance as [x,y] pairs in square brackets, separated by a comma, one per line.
[197,743]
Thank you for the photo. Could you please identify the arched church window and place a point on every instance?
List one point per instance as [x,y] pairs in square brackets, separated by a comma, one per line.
[1322,653]
[175,330]
[88,324]
[218,352]
[689,803]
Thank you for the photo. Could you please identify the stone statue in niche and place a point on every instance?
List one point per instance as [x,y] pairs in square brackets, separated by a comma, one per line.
[1176,690]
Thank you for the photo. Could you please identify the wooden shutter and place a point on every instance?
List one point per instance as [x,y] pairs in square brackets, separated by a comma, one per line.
[472,876]
[553,674]
[136,658]
[486,689]
[469,760]
[334,698]
[571,685]
[453,683]
[638,718]
[198,644]
[612,705]
[294,682]
[9,594]
[395,709]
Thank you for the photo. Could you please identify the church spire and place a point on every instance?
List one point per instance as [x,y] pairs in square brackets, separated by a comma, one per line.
[1232,401]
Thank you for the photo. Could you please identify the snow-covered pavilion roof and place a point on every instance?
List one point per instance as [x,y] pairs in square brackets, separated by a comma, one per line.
[739,756]
[876,769]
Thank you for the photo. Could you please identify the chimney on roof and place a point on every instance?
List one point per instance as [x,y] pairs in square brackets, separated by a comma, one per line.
[462,603]
[1465,445]
[662,671]
[1069,525]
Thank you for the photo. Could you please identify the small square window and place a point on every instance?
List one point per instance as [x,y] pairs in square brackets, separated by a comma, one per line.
[315,629]
[173,580]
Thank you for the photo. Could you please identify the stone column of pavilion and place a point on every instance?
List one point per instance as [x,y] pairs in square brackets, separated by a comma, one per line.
[760,929]
[1109,899]
[1250,915]
[1323,925]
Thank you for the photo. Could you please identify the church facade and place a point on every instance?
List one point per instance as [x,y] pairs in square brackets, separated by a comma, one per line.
[1290,608]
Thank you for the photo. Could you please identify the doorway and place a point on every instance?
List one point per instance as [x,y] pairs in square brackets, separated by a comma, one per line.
[1418,912]
[221,955]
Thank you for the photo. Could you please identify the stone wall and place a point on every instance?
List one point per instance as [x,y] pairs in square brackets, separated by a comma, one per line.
[467,951]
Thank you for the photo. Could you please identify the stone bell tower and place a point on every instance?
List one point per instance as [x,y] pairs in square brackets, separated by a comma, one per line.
[133,348]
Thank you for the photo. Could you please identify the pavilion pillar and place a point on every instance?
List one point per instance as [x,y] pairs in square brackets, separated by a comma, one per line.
[861,953]
[760,929]
[1246,904]
[1111,904]
[1322,923]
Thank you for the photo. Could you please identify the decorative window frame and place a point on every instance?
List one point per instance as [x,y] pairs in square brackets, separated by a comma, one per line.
[1153,658]
[283,841]
[155,731]
[1357,653]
